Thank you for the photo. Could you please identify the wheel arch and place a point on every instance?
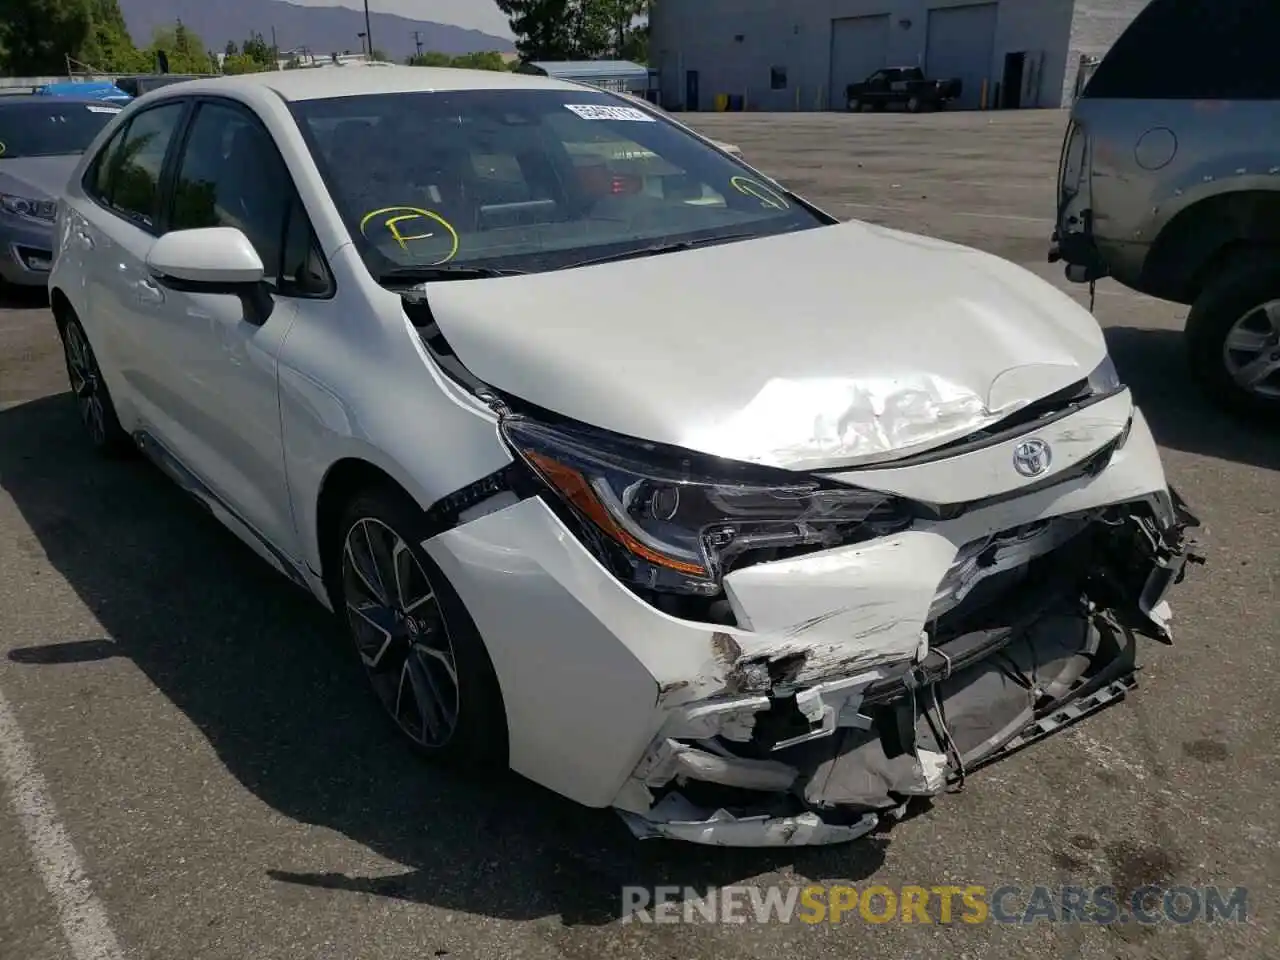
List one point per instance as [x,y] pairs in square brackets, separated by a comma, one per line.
[342,481]
[60,306]
[1199,239]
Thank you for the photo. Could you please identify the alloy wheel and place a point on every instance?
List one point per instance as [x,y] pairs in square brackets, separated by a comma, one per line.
[1251,350]
[86,381]
[400,633]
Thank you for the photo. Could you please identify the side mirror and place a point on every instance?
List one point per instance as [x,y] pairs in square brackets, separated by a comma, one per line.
[216,260]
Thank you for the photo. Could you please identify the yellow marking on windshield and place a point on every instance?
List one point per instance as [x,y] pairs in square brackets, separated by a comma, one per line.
[765,194]
[394,216]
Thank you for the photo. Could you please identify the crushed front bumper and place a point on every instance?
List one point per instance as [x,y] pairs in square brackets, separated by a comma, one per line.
[849,680]
[1052,644]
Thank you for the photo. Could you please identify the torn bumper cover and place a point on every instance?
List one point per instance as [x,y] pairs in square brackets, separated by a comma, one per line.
[820,691]
[1041,644]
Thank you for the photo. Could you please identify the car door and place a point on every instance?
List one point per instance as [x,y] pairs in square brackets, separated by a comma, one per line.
[111,235]
[221,364]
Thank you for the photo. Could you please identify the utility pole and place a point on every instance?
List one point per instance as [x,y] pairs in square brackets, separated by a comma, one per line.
[417,41]
[368,32]
[275,50]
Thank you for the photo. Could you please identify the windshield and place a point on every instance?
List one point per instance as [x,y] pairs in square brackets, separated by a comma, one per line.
[528,179]
[51,128]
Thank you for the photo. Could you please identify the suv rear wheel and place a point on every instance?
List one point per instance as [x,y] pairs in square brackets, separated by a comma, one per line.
[1233,335]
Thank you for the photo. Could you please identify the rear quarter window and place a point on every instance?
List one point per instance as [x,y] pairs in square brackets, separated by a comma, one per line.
[1194,50]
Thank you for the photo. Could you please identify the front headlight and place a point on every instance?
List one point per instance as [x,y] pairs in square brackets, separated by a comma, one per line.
[672,521]
[1105,379]
[25,207]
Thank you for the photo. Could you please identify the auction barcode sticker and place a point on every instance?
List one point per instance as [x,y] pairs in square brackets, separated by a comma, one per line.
[597,111]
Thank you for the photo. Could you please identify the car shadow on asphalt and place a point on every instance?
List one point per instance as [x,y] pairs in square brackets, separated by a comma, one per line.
[1153,363]
[256,665]
[22,298]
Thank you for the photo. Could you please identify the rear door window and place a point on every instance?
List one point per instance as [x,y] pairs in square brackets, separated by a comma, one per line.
[1194,50]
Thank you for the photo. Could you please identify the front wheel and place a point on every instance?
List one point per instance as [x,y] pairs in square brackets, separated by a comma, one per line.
[913,105]
[420,650]
[1233,336]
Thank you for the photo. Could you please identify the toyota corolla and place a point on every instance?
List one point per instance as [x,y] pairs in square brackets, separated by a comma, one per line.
[620,464]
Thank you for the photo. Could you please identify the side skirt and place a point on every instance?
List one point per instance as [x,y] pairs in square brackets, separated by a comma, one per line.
[158,454]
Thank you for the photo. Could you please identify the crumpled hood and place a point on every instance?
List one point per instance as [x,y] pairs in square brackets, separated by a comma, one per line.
[37,178]
[828,347]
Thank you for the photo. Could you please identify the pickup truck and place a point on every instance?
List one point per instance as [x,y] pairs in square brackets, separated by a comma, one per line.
[902,86]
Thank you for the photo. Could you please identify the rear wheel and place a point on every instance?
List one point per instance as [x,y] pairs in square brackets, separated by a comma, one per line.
[913,104]
[854,105]
[1233,336]
[93,401]
[418,646]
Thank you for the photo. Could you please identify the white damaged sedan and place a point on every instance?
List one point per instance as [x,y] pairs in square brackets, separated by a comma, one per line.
[620,464]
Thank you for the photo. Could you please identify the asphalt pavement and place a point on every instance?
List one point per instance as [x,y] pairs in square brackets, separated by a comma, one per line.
[192,768]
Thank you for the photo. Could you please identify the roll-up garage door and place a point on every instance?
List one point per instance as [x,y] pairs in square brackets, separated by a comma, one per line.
[961,43]
[859,46]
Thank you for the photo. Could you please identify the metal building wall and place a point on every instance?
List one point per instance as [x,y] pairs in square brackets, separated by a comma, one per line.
[734,44]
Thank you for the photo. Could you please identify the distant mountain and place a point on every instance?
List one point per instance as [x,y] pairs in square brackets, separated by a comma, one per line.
[321,30]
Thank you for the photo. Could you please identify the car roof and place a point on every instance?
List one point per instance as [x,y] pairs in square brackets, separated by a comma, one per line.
[318,83]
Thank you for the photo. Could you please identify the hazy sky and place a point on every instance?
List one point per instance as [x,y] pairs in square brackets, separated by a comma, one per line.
[474,14]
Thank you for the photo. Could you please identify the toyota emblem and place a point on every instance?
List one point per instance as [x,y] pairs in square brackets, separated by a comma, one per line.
[1031,458]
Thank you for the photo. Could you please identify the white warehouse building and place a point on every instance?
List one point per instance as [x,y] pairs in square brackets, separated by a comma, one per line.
[800,54]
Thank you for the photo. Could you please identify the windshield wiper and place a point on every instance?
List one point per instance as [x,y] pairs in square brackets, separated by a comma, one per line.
[658,248]
[443,271]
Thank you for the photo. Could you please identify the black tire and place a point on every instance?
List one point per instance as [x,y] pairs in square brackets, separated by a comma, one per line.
[854,105]
[1230,304]
[913,105]
[90,393]
[478,737]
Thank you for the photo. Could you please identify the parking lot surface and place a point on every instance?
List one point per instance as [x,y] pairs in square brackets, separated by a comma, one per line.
[193,769]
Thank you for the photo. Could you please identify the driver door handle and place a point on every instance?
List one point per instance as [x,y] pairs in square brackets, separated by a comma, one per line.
[83,239]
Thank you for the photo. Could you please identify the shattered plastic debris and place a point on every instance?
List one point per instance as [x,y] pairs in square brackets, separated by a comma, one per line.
[676,818]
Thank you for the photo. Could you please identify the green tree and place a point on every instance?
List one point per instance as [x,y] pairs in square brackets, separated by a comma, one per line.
[185,50]
[231,49]
[37,35]
[240,63]
[430,59]
[380,56]
[109,46]
[260,52]
[488,60]
[578,29]
[628,34]
[546,29]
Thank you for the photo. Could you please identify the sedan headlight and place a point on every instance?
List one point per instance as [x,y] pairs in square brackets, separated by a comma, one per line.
[1105,379]
[26,207]
[672,521]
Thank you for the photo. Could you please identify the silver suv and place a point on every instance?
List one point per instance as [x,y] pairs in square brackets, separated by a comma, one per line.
[1170,183]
